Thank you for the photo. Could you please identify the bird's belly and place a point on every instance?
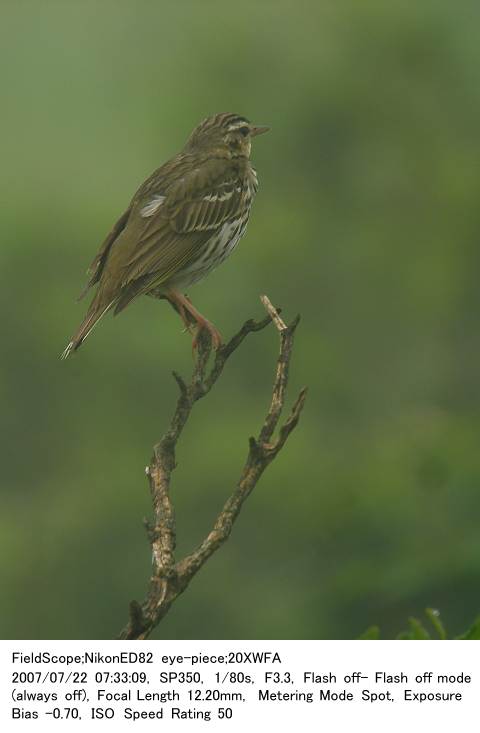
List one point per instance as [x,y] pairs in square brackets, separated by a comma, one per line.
[212,254]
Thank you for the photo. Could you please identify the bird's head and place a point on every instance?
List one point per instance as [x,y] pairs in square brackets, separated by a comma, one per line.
[225,132]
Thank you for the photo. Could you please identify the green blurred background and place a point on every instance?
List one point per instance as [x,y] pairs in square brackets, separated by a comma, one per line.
[367,223]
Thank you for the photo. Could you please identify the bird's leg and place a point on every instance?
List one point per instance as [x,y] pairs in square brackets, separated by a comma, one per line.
[178,306]
[185,306]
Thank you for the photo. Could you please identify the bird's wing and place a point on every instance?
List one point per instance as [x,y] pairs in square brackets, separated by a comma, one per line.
[96,268]
[170,225]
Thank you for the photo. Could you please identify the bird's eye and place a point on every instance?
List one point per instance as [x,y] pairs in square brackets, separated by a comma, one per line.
[244,131]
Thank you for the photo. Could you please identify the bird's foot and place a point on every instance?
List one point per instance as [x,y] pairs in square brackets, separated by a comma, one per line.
[214,333]
[189,326]
[191,317]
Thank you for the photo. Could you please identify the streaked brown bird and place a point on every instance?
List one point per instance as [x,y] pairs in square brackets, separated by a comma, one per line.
[182,222]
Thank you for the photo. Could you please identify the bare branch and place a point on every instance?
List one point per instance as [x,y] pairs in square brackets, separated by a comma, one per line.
[281,377]
[170,577]
[274,313]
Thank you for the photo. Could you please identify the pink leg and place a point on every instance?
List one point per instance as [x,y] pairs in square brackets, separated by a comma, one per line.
[184,305]
[181,312]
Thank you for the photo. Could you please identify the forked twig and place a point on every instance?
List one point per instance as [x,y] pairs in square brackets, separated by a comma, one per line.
[170,577]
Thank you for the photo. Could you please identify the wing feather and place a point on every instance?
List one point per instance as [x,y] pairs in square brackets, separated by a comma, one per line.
[170,219]
[97,266]
[196,205]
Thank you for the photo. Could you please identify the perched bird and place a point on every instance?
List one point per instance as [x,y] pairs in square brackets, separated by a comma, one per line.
[183,221]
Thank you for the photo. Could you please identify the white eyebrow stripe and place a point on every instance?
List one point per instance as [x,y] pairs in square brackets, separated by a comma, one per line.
[152,206]
[237,125]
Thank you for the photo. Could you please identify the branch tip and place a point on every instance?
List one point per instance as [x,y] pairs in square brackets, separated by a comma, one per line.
[253,445]
[180,382]
[292,420]
[274,313]
[300,401]
[295,322]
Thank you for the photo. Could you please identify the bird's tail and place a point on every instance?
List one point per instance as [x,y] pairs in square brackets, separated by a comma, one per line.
[95,312]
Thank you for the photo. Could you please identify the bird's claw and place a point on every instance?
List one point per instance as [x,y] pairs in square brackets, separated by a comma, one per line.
[215,335]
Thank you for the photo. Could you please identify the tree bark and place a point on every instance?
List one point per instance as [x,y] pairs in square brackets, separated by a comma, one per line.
[170,577]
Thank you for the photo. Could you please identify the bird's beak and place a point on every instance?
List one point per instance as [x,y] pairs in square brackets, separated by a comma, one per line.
[257,130]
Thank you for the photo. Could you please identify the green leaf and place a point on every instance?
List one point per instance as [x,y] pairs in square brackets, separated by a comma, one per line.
[417,630]
[433,616]
[473,632]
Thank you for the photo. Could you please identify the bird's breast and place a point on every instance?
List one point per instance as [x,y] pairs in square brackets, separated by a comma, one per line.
[215,250]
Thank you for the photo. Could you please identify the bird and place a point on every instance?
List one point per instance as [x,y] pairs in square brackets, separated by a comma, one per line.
[184,220]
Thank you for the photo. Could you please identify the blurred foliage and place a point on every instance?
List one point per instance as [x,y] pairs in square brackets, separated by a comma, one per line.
[367,222]
[473,632]
[417,631]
